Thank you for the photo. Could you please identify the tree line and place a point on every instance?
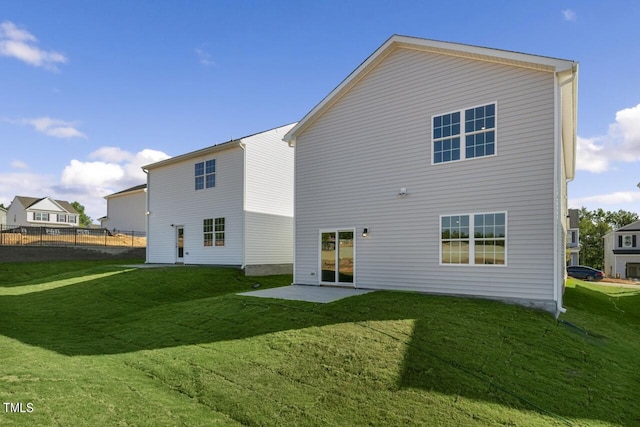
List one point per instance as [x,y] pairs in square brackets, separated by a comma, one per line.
[593,227]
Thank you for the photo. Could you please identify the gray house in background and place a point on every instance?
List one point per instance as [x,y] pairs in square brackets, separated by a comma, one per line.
[622,252]
[126,210]
[3,217]
[442,168]
[573,237]
[44,211]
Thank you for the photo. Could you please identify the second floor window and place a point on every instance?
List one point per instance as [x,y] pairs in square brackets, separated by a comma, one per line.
[62,218]
[464,134]
[71,219]
[205,174]
[40,216]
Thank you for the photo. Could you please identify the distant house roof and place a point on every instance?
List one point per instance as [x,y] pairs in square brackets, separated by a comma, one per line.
[27,202]
[128,190]
[634,226]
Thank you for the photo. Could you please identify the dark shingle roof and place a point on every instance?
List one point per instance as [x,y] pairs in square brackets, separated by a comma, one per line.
[27,202]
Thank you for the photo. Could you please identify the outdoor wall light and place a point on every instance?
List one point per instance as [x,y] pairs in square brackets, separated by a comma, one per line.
[365,232]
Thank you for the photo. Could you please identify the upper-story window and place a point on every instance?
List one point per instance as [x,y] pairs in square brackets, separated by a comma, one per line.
[464,134]
[62,218]
[205,174]
[627,241]
[41,216]
[71,219]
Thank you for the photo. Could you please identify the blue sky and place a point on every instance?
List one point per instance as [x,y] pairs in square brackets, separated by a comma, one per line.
[92,90]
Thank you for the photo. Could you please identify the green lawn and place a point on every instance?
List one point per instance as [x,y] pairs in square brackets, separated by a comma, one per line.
[96,344]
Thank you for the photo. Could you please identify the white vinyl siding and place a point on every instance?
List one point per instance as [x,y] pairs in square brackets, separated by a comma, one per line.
[353,160]
[253,195]
[173,200]
[126,212]
[269,198]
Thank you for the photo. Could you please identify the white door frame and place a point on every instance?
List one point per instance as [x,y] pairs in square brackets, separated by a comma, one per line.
[337,232]
[179,250]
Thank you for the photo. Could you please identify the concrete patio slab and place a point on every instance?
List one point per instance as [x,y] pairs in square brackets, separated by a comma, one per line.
[321,294]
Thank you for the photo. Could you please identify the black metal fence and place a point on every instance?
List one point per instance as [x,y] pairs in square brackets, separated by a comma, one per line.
[70,236]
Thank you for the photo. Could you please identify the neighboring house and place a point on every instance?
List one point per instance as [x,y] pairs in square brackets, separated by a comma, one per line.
[33,211]
[229,204]
[126,210]
[573,237]
[3,217]
[622,252]
[442,168]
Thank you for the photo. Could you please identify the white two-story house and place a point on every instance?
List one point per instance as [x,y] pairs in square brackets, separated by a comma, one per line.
[45,211]
[442,168]
[126,210]
[229,204]
[622,252]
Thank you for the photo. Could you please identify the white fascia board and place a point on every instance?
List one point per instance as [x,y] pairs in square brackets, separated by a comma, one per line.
[192,155]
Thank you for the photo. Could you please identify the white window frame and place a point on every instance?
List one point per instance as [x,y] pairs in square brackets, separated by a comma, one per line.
[206,175]
[472,240]
[38,216]
[627,241]
[463,134]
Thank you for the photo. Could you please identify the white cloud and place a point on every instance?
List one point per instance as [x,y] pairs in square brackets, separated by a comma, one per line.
[21,44]
[18,164]
[620,144]
[615,198]
[110,170]
[111,154]
[113,169]
[51,127]
[569,15]
[204,57]
[91,174]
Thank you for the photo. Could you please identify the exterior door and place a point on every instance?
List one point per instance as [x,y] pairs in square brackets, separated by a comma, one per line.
[337,257]
[179,244]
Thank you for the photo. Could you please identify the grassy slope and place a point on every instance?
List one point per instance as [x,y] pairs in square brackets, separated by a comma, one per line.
[177,346]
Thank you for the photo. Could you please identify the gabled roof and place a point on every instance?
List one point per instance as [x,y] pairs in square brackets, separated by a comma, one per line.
[566,69]
[634,226]
[206,151]
[27,202]
[128,190]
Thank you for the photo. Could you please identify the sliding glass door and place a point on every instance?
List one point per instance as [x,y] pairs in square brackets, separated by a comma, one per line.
[337,257]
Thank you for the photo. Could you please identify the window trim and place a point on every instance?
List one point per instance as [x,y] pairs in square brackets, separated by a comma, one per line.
[204,176]
[206,232]
[472,240]
[463,134]
[214,233]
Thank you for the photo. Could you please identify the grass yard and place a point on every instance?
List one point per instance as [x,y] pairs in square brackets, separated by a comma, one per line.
[89,343]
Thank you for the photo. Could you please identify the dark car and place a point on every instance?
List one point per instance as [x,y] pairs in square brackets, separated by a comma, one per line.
[584,273]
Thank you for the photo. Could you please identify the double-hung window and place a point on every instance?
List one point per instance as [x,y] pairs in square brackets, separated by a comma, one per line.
[40,216]
[213,230]
[205,174]
[219,230]
[473,239]
[464,134]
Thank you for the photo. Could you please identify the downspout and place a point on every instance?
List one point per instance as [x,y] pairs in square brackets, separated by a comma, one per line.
[559,201]
[146,214]
[292,144]
[243,146]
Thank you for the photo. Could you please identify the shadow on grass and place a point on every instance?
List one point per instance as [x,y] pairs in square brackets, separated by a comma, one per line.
[478,349]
